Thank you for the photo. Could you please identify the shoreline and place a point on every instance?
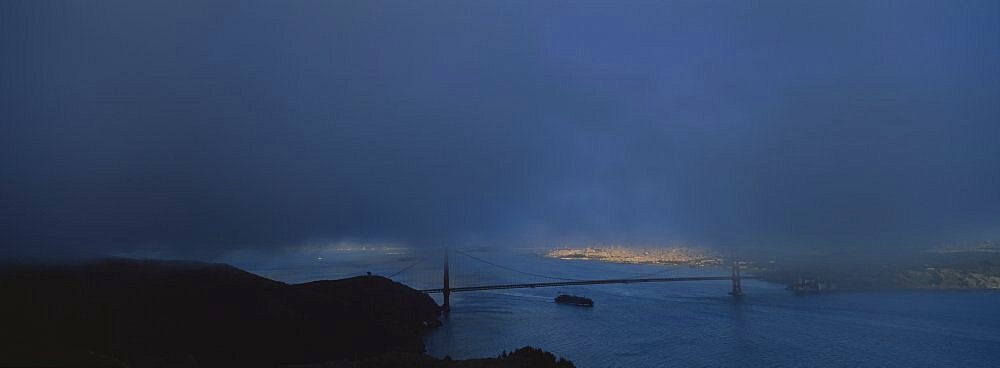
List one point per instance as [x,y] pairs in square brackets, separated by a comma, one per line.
[129,312]
[910,276]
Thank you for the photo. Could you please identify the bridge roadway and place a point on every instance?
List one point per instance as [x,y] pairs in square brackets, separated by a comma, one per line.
[582,282]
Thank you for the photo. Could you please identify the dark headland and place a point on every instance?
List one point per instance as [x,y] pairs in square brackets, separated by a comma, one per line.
[145,313]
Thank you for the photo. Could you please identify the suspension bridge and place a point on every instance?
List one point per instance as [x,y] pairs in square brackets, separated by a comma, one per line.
[487,280]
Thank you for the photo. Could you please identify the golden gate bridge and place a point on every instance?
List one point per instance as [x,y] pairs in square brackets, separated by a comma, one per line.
[447,287]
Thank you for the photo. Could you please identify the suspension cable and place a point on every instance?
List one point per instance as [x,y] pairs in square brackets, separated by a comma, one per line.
[406,268]
[645,275]
[511,269]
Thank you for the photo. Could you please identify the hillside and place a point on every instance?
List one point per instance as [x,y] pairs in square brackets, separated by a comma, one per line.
[171,313]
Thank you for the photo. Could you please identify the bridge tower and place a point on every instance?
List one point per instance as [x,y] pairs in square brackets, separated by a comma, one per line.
[446,288]
[737,285]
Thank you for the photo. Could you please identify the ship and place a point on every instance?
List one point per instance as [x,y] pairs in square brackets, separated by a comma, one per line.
[574,300]
[809,285]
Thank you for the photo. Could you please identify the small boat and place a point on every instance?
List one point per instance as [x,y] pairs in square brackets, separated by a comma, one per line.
[574,300]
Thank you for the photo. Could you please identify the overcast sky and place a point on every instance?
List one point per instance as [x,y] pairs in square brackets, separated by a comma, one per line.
[197,127]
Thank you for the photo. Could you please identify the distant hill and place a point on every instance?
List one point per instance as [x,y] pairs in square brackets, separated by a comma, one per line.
[977,246]
[901,269]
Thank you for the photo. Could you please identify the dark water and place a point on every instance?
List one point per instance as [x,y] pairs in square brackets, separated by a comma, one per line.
[696,324]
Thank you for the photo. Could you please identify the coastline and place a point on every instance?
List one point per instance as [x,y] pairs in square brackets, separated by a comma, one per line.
[153,313]
[969,270]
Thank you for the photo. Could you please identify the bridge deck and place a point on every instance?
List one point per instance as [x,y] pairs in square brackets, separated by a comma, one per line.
[582,282]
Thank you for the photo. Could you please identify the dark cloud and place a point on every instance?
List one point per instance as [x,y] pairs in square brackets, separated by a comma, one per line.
[203,126]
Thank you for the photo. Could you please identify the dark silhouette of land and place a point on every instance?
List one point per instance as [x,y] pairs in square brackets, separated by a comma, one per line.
[124,312]
[525,357]
[886,269]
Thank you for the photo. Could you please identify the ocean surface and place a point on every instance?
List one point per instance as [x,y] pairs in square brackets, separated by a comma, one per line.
[680,324]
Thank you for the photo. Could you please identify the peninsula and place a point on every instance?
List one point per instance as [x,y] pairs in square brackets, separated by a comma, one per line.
[152,313]
[664,256]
